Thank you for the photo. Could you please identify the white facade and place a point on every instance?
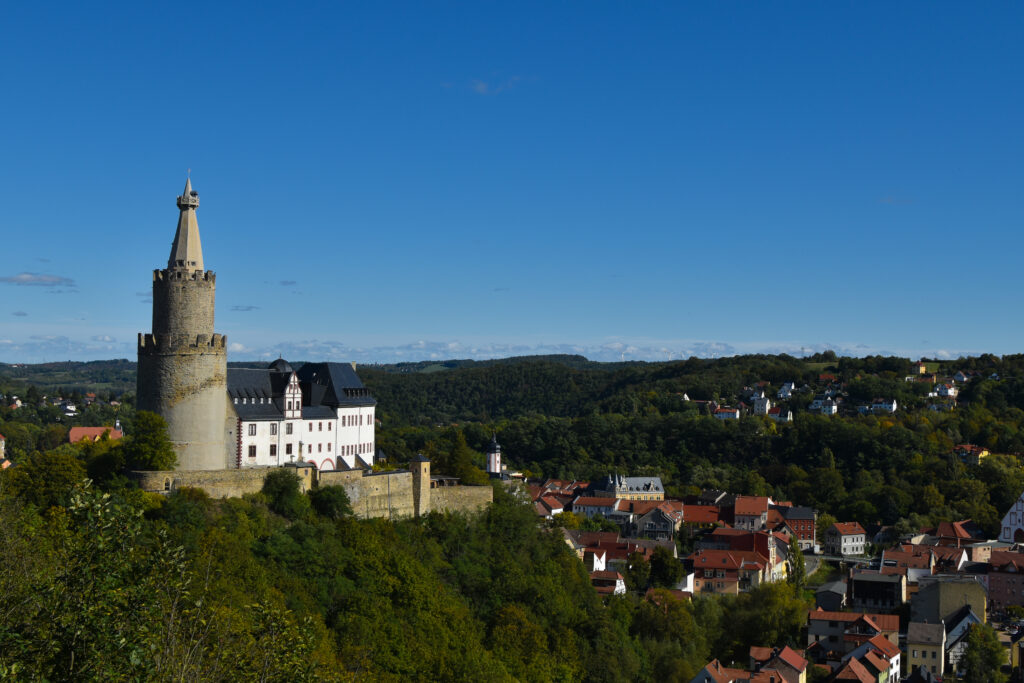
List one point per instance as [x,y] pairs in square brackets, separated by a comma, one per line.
[762,405]
[272,422]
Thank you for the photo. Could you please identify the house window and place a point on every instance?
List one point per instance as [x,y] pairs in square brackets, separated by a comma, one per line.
[252,451]
[273,429]
[288,428]
[252,430]
[273,450]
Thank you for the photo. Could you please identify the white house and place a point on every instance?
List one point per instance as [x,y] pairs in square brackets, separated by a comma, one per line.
[787,390]
[727,413]
[845,538]
[946,390]
[762,405]
[321,414]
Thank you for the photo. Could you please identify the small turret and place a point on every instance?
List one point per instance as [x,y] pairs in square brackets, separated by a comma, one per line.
[494,457]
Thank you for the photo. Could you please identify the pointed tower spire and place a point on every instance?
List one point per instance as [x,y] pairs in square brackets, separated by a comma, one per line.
[187,251]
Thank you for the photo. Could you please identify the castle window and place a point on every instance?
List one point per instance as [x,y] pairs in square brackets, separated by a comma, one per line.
[328,448]
[310,426]
[328,426]
[252,451]
[320,426]
[287,449]
[289,405]
[167,484]
[309,449]
[252,429]
[319,448]
[288,428]
[273,429]
[236,400]
[273,450]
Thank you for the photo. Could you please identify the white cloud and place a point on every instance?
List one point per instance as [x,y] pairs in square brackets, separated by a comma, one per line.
[38,280]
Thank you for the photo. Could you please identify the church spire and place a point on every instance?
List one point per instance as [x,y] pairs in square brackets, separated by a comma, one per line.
[187,252]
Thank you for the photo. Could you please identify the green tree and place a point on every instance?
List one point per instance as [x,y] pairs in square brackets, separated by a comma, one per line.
[798,570]
[984,657]
[45,479]
[665,569]
[638,572]
[331,502]
[148,447]
[282,487]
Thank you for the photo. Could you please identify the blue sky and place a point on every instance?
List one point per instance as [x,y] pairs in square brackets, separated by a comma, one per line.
[387,182]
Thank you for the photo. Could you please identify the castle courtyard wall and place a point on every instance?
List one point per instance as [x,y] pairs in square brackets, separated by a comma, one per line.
[460,498]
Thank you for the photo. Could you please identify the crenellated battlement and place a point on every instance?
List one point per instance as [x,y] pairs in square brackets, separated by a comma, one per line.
[176,275]
[180,342]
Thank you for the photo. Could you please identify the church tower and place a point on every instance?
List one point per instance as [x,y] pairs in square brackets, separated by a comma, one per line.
[182,373]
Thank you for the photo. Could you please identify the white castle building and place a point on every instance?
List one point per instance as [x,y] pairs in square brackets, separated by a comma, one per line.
[320,414]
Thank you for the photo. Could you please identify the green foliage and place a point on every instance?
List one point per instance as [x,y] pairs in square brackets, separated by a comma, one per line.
[283,490]
[148,447]
[798,569]
[330,502]
[44,479]
[984,656]
[666,570]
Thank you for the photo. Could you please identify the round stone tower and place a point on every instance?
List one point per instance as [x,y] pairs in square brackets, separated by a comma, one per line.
[182,372]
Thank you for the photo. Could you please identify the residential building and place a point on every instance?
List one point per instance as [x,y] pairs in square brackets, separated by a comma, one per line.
[1013,523]
[787,390]
[841,632]
[728,571]
[751,512]
[76,434]
[608,583]
[727,413]
[926,646]
[969,454]
[628,488]
[802,523]
[781,414]
[784,661]
[957,627]
[845,538]
[831,596]
[882,648]
[762,405]
[1006,579]
[939,598]
[875,591]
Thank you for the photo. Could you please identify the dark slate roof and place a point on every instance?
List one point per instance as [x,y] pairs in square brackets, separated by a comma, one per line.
[795,512]
[317,413]
[342,386]
[251,386]
[419,457]
[833,587]
[281,365]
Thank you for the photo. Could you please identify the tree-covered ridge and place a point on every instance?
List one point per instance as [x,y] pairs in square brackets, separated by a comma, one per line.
[117,584]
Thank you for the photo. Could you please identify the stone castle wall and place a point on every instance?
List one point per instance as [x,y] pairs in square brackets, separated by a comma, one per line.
[460,498]
[387,495]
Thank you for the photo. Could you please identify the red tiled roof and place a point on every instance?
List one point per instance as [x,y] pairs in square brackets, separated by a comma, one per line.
[594,501]
[884,645]
[751,505]
[1002,560]
[884,622]
[700,514]
[761,654]
[853,670]
[849,528]
[606,575]
[728,559]
[793,658]
[880,663]
[92,433]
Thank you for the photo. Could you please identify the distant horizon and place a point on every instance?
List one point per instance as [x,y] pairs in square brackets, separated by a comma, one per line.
[609,356]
